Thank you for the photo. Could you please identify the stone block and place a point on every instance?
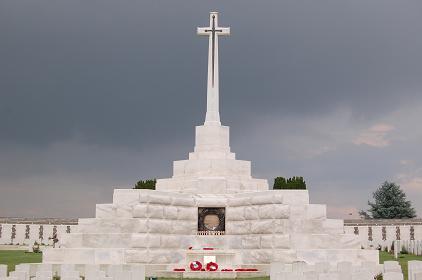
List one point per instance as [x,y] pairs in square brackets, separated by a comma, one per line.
[170,212]
[281,226]
[345,267]
[126,196]
[123,210]
[155,211]
[333,225]
[299,266]
[281,241]
[284,255]
[159,226]
[238,227]
[275,269]
[257,256]
[109,256]
[262,198]
[184,201]
[184,227]
[329,276]
[170,241]
[145,241]
[140,211]
[251,242]
[137,256]
[187,213]
[239,201]
[160,198]
[235,213]
[322,267]
[417,276]
[310,275]
[234,242]
[104,211]
[165,256]
[252,212]
[267,241]
[293,197]
[262,226]
[316,211]
[281,211]
[266,211]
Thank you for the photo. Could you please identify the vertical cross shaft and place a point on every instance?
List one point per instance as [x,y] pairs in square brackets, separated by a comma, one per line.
[212,116]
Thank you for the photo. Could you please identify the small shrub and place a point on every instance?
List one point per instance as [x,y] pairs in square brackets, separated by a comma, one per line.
[147,184]
[404,251]
[294,183]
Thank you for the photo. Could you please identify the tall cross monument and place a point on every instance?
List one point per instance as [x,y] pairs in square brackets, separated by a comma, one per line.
[212,116]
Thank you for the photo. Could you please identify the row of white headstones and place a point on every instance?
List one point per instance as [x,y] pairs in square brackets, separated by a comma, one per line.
[73,272]
[411,246]
[390,270]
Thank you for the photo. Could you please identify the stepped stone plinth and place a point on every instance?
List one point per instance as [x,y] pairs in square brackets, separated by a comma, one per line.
[211,201]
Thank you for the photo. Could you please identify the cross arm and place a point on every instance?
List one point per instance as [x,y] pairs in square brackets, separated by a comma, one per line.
[201,31]
[224,31]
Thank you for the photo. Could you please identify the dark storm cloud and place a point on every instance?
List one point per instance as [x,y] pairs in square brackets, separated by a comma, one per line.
[112,89]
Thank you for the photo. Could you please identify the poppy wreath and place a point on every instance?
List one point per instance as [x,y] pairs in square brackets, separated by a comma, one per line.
[195,266]
[212,266]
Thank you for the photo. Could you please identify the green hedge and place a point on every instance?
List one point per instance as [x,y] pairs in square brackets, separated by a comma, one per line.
[294,183]
[147,184]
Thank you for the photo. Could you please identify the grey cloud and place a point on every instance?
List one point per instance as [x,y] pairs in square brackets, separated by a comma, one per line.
[107,92]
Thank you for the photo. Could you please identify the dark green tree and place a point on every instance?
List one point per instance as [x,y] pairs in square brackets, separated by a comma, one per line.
[147,184]
[389,203]
[294,183]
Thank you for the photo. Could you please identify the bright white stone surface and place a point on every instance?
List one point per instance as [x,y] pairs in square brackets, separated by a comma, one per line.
[392,276]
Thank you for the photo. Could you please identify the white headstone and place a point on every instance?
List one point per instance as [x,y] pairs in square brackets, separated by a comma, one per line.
[414,267]
[417,276]
[3,270]
[392,276]
[392,266]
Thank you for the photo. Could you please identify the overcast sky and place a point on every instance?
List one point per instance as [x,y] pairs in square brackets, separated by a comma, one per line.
[96,95]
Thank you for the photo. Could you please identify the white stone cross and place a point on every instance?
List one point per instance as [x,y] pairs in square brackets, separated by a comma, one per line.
[213,31]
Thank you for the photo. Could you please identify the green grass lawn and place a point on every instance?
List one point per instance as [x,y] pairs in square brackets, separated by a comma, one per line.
[14,257]
[403,259]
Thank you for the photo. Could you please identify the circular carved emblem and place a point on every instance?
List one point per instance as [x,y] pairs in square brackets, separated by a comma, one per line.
[211,219]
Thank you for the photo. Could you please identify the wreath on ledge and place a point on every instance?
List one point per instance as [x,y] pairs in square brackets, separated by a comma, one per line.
[195,266]
[212,266]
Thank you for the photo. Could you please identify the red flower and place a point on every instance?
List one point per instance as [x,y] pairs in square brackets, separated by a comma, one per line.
[246,269]
[195,266]
[212,266]
[179,269]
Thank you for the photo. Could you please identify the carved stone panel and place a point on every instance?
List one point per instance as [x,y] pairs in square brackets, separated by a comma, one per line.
[27,229]
[412,233]
[384,233]
[356,230]
[211,219]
